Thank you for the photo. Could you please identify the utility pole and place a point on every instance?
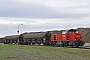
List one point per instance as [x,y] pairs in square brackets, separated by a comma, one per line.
[18,33]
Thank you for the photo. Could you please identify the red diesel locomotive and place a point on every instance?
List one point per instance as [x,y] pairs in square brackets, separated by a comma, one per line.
[69,38]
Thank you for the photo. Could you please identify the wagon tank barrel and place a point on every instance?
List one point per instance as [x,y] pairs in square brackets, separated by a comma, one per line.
[11,39]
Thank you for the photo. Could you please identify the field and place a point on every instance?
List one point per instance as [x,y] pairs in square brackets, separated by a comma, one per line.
[25,52]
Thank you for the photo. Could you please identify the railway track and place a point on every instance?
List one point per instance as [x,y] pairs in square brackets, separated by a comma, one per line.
[86,46]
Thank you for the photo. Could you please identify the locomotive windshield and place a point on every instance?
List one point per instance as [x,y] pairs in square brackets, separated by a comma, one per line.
[64,32]
[72,31]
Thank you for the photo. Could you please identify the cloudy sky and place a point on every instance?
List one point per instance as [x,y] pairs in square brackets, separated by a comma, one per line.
[42,15]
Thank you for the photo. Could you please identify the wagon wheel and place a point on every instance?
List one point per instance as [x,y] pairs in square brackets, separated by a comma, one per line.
[33,43]
[44,44]
[48,44]
[72,46]
[39,43]
[29,43]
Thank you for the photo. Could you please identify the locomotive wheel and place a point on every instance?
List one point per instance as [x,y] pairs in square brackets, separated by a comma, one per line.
[53,44]
[62,45]
[66,44]
[76,45]
[58,45]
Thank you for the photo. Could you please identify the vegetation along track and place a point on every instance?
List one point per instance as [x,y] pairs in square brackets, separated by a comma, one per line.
[24,52]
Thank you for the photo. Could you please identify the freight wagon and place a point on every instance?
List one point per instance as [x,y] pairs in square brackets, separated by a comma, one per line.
[2,40]
[13,39]
[34,38]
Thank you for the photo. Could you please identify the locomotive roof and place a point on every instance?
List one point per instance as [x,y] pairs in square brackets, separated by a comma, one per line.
[72,30]
[34,35]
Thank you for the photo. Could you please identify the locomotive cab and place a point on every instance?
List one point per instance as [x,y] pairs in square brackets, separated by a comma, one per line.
[75,38]
[73,35]
[72,31]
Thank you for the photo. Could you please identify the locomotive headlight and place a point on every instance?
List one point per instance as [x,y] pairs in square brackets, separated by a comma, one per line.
[63,35]
[77,36]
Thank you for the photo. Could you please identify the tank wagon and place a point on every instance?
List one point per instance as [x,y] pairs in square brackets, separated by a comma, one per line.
[34,37]
[11,39]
